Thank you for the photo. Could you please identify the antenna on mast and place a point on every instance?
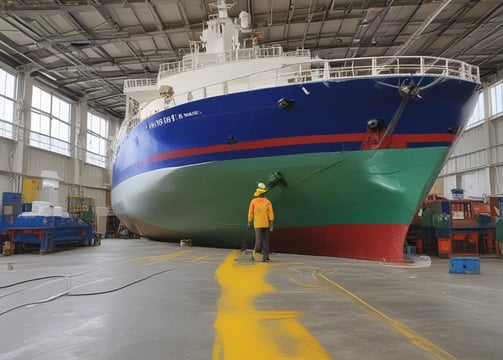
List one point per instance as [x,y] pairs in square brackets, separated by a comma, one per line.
[222,7]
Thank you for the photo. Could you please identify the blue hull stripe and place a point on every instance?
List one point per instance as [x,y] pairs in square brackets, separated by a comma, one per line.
[332,109]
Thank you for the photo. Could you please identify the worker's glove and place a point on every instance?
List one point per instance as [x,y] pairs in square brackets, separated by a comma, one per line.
[248,226]
[271,226]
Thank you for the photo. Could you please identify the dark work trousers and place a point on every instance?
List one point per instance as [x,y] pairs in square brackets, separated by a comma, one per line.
[262,241]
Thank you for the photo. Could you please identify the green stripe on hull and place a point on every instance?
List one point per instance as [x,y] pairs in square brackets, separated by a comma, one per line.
[210,201]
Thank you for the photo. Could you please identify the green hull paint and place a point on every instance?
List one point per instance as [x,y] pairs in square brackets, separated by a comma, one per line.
[209,201]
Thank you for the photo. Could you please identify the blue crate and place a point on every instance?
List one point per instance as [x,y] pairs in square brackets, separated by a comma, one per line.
[465,265]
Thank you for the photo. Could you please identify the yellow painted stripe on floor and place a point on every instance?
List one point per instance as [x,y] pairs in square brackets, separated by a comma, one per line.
[243,332]
[166,256]
[199,258]
[434,350]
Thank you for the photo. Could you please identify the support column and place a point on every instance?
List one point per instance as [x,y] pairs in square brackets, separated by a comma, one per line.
[22,128]
[490,134]
[78,138]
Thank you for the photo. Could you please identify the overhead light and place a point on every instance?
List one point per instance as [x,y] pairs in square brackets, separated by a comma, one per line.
[80,44]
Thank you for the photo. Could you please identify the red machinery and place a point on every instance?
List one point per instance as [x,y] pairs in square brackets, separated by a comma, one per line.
[457,228]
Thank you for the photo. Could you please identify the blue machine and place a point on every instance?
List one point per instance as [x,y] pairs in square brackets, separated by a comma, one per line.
[11,208]
[40,231]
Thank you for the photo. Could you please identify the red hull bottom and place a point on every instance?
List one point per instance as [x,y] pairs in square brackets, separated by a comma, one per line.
[378,242]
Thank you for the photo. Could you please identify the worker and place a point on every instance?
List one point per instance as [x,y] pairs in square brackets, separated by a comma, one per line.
[261,216]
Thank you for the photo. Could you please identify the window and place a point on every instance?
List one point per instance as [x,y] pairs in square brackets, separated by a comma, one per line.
[478,115]
[7,103]
[50,122]
[497,99]
[97,140]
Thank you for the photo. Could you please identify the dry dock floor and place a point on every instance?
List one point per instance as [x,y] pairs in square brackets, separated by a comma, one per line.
[140,299]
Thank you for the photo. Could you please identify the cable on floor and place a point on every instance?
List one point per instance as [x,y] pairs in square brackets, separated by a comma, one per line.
[121,287]
[30,280]
[67,292]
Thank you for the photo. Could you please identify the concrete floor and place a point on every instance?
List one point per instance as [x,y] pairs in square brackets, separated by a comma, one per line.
[202,303]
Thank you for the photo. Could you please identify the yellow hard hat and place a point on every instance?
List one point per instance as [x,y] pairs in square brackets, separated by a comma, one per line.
[259,192]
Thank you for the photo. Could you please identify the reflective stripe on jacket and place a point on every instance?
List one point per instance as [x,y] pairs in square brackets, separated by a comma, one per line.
[260,212]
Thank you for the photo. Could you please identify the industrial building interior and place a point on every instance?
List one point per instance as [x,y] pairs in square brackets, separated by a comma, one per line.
[102,291]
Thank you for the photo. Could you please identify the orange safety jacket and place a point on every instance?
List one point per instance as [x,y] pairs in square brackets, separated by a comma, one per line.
[260,212]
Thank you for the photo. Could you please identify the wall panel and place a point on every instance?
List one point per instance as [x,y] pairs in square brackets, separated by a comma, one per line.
[37,160]
[475,184]
[497,130]
[4,183]
[6,147]
[449,183]
[474,139]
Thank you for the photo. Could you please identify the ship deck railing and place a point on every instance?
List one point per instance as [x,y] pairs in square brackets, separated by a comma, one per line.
[123,132]
[198,60]
[140,83]
[382,66]
[317,69]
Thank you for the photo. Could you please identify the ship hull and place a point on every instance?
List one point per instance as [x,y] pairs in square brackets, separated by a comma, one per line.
[350,204]
[190,171]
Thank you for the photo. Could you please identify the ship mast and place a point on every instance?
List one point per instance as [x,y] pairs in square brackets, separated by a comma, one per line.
[222,33]
[222,7]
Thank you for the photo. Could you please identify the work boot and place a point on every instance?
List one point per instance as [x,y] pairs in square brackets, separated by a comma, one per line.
[253,255]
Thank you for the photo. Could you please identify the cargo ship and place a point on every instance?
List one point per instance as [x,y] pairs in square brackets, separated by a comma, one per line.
[348,148]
